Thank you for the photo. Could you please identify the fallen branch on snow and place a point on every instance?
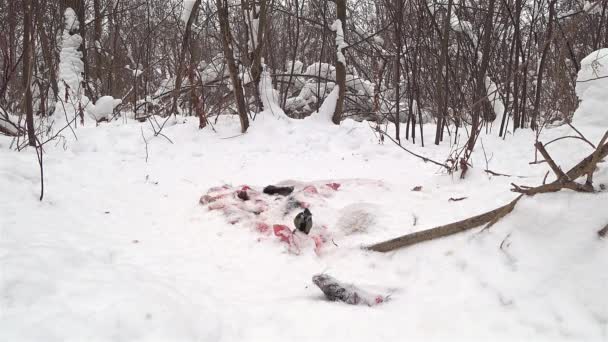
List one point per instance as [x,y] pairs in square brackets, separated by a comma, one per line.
[489,218]
[567,180]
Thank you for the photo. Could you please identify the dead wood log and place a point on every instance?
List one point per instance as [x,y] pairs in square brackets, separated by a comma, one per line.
[489,218]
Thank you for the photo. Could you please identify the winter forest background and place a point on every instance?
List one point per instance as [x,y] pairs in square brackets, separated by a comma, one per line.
[137,137]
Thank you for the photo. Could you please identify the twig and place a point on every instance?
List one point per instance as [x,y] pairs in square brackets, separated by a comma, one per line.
[234,136]
[502,174]
[145,141]
[425,159]
[545,178]
[39,152]
[452,199]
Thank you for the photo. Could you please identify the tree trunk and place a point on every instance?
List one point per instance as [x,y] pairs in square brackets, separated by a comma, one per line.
[480,101]
[97,44]
[182,56]
[398,16]
[27,70]
[443,93]
[237,87]
[340,65]
[255,55]
[541,67]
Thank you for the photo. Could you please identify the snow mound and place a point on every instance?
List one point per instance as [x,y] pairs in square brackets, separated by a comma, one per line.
[104,107]
[591,85]
[357,218]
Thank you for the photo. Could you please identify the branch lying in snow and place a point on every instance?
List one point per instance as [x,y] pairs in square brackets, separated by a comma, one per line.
[501,174]
[489,218]
[425,159]
[567,180]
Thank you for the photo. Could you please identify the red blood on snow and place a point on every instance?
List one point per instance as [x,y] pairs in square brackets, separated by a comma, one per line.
[310,189]
[282,232]
[262,227]
[318,241]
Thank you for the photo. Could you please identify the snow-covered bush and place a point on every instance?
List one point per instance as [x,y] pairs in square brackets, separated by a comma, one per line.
[72,100]
[591,85]
[305,91]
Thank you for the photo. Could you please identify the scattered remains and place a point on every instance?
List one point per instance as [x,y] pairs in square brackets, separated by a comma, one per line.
[303,221]
[278,190]
[347,293]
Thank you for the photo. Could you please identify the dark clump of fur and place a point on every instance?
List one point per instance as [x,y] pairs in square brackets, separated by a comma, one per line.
[242,194]
[278,190]
[334,290]
[303,221]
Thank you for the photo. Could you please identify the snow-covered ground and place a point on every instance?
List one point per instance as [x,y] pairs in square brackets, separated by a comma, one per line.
[121,249]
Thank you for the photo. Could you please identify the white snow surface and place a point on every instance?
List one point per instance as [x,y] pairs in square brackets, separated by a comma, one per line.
[121,250]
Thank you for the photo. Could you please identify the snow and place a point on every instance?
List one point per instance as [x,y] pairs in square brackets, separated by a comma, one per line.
[494,98]
[325,70]
[326,111]
[188,5]
[121,249]
[269,96]
[71,20]
[71,68]
[104,107]
[591,89]
[340,44]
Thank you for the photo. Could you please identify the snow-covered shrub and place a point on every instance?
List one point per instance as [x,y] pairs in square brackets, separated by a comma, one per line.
[591,89]
[304,92]
[71,68]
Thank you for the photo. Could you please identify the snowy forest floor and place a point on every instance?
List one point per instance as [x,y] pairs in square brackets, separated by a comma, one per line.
[121,249]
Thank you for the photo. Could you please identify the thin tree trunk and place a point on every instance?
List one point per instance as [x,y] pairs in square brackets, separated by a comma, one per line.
[182,56]
[256,50]
[442,88]
[97,43]
[541,67]
[237,87]
[481,99]
[340,67]
[27,70]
